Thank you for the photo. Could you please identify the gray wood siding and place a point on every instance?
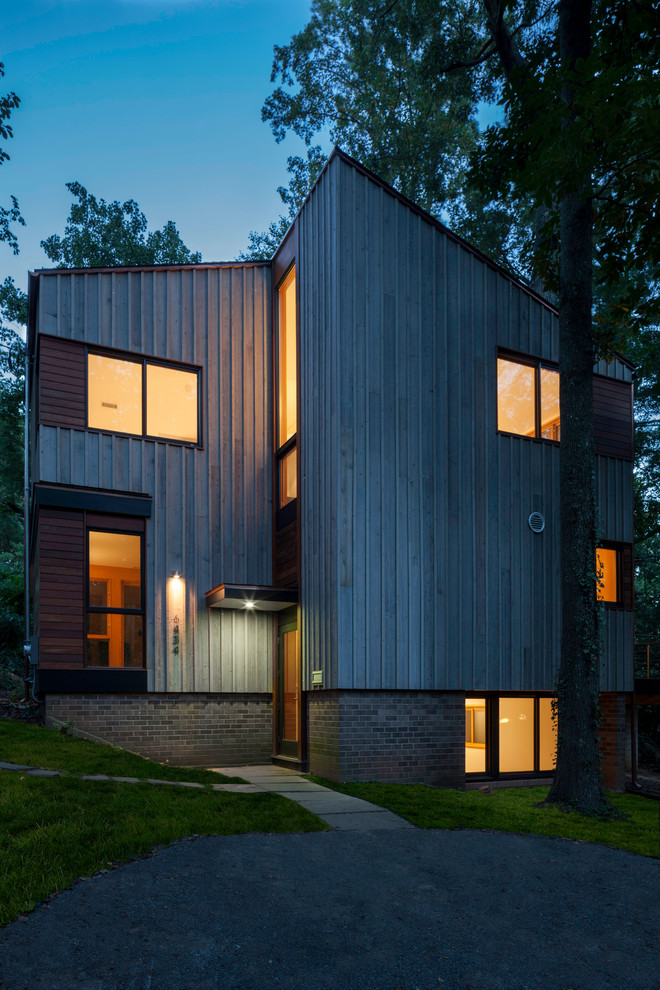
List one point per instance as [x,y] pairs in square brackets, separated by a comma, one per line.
[418,567]
[212,508]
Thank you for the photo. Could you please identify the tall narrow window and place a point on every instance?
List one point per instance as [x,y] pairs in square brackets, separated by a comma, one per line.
[607,567]
[115,600]
[287,388]
[527,398]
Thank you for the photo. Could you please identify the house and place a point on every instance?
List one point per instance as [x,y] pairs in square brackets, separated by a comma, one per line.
[308,509]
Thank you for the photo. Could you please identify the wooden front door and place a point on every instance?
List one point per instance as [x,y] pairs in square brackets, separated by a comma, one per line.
[288,687]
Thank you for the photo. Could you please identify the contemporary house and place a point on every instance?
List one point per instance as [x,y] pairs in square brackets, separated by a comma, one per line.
[308,509]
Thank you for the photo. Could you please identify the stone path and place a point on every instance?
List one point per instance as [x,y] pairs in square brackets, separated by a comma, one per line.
[340,811]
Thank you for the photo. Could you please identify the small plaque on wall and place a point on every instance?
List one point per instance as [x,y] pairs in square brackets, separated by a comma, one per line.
[317,678]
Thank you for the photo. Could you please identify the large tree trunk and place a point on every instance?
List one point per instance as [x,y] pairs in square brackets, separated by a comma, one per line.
[577,777]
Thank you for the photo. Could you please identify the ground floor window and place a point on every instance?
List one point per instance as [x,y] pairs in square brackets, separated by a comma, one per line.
[509,734]
[115,599]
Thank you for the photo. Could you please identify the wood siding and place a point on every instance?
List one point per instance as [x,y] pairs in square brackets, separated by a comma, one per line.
[285,571]
[212,507]
[61,620]
[613,418]
[61,376]
[418,566]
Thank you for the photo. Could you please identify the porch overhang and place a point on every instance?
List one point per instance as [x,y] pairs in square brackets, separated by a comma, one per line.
[253,597]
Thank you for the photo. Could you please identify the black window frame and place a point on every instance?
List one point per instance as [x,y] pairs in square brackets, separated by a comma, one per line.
[145,360]
[537,364]
[492,771]
[105,610]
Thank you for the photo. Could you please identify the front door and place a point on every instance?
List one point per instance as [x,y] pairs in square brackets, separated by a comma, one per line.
[288,686]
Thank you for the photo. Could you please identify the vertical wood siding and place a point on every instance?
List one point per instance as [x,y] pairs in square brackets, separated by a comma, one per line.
[211,513]
[61,618]
[418,566]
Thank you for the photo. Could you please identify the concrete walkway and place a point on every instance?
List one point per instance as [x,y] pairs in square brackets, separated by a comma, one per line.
[340,811]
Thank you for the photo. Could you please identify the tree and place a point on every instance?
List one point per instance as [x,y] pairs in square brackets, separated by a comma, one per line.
[107,235]
[576,158]
[10,215]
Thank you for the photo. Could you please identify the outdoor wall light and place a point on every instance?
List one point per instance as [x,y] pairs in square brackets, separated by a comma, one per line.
[249,604]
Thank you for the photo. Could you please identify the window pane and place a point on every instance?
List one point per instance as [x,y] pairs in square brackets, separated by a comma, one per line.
[288,478]
[516,734]
[606,571]
[172,403]
[547,735]
[132,640]
[120,645]
[290,728]
[515,398]
[114,394]
[287,358]
[475,735]
[550,404]
[114,558]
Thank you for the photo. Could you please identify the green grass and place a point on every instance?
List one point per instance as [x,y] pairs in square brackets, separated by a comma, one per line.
[34,746]
[53,831]
[513,810]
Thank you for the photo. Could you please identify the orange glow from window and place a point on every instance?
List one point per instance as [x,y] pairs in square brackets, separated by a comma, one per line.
[287,363]
[550,404]
[606,572]
[114,394]
[171,403]
[288,478]
[515,398]
[115,582]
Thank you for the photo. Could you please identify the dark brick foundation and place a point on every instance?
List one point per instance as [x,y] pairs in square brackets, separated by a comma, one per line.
[186,729]
[394,736]
[613,739]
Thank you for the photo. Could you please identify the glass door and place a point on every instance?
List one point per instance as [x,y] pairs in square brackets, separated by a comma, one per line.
[288,687]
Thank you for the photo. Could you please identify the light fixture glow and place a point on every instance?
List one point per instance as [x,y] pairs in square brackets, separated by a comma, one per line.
[249,604]
[176,576]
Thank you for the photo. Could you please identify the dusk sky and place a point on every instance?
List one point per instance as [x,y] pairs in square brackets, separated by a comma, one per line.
[157,101]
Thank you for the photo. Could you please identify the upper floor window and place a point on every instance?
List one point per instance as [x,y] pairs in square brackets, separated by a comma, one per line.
[133,395]
[607,572]
[286,359]
[527,398]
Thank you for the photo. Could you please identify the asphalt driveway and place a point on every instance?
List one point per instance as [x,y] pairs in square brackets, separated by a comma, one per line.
[383,910]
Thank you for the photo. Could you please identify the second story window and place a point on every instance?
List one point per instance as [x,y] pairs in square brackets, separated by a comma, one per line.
[527,398]
[287,390]
[146,398]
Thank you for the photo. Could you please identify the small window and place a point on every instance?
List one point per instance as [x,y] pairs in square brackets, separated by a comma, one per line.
[527,399]
[123,392]
[288,478]
[115,600]
[607,574]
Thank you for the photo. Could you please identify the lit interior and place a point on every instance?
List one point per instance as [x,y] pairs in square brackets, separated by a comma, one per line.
[114,394]
[288,478]
[290,727]
[550,428]
[606,585]
[547,735]
[515,398]
[114,640]
[516,731]
[287,358]
[475,735]
[171,403]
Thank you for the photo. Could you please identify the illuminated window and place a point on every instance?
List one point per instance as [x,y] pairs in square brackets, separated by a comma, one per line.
[288,478]
[115,599]
[118,389]
[524,736]
[475,735]
[287,358]
[527,399]
[607,570]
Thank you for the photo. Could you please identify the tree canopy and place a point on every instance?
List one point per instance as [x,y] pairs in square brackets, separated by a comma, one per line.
[8,215]
[106,235]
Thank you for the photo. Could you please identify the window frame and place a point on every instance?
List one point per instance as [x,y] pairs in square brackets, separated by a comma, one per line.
[145,360]
[537,364]
[624,562]
[90,525]
[492,771]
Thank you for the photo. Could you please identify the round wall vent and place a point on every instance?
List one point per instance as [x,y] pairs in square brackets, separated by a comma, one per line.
[536,522]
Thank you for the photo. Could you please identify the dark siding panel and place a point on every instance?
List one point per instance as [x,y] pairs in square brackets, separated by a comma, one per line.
[61,383]
[613,418]
[286,556]
[627,576]
[61,561]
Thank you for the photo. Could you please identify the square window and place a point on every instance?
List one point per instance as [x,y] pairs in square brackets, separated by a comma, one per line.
[527,399]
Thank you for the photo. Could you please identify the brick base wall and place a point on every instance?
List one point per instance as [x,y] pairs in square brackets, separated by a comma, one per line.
[613,739]
[393,736]
[186,729]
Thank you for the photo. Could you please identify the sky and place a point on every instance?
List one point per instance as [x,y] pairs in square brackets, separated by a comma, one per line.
[153,100]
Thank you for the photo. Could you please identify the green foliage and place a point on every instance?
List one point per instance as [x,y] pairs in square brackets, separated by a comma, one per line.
[53,832]
[106,235]
[8,104]
[514,809]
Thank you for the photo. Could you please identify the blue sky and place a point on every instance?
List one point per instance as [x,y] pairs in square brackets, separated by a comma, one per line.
[158,101]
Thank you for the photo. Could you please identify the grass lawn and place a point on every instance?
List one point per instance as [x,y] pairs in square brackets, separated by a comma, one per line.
[513,810]
[34,746]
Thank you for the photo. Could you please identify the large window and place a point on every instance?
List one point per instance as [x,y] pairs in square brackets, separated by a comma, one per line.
[115,599]
[524,739]
[128,395]
[287,391]
[527,398]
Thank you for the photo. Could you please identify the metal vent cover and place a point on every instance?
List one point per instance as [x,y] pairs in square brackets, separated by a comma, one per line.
[536,522]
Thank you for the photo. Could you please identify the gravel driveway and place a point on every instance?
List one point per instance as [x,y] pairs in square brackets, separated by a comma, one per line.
[344,910]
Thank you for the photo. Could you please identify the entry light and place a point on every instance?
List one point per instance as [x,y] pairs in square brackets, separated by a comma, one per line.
[249,604]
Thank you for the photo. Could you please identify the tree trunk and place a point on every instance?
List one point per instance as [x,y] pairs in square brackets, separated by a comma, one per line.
[577,780]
